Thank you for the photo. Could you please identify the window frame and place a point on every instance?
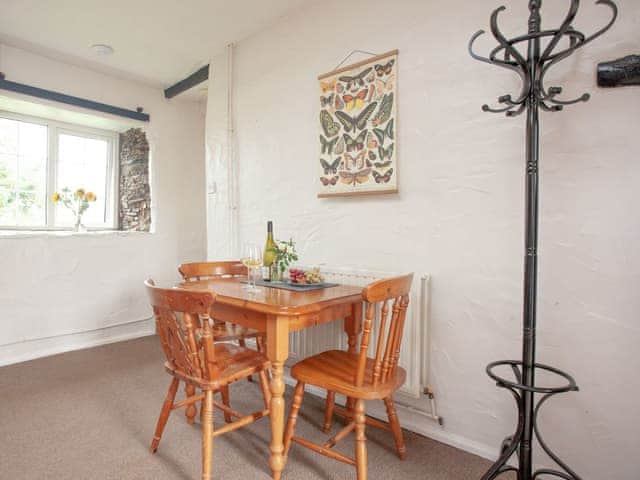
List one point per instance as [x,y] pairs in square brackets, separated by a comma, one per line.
[54,130]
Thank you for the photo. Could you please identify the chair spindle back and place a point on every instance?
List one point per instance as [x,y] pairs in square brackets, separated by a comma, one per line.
[393,297]
[192,272]
[182,321]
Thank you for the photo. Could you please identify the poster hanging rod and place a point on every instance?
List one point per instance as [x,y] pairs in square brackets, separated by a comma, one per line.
[24,89]
[358,64]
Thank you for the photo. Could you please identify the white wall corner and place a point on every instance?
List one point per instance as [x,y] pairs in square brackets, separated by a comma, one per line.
[219,153]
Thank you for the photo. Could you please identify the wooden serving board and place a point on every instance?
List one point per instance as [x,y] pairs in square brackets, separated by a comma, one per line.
[305,287]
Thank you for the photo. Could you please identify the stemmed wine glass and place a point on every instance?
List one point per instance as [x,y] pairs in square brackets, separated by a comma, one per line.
[252,259]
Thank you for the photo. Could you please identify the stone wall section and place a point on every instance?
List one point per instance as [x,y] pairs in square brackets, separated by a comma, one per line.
[134,189]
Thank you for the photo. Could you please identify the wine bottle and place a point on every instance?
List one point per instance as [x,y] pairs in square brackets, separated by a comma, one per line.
[269,252]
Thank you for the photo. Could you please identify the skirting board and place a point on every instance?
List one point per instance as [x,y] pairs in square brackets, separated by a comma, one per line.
[415,422]
[44,347]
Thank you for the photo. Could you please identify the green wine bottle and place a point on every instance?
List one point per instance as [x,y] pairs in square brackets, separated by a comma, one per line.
[269,252]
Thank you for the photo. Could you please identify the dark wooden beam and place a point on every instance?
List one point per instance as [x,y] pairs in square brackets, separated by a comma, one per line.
[71,100]
[189,82]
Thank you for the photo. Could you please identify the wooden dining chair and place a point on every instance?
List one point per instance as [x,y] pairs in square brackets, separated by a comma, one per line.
[186,337]
[222,331]
[358,376]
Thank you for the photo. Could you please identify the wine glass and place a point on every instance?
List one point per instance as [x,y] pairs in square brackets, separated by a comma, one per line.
[252,259]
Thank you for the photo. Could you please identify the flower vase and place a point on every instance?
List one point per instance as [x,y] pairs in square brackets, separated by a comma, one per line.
[276,274]
[78,226]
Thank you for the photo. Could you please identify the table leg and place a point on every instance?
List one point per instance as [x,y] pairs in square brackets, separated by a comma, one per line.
[277,352]
[189,389]
[353,327]
[190,411]
[351,402]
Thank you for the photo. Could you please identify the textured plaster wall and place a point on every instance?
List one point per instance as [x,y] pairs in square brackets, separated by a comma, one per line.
[459,213]
[61,285]
[220,161]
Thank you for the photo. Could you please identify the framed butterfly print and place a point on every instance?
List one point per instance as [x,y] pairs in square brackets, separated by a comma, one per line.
[357,149]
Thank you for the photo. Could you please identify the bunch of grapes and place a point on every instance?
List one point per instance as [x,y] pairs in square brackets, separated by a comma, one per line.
[296,275]
[300,276]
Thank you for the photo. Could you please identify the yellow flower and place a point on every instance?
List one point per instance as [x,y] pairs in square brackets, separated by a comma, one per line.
[80,193]
[55,198]
[90,197]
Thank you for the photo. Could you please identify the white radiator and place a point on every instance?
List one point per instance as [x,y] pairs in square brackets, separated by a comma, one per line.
[414,355]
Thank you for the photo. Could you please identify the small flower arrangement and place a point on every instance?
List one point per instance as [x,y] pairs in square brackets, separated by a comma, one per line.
[78,202]
[285,255]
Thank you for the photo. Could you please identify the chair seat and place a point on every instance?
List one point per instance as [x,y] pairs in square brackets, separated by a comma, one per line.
[335,371]
[227,331]
[235,364]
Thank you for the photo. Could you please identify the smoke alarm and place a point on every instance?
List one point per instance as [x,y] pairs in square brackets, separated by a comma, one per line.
[102,49]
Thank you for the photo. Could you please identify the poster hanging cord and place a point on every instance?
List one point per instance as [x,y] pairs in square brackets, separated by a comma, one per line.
[350,54]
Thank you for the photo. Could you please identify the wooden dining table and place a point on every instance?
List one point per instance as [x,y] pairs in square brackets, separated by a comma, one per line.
[279,312]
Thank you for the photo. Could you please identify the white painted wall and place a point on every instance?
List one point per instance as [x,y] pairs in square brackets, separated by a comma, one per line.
[220,161]
[459,214]
[59,292]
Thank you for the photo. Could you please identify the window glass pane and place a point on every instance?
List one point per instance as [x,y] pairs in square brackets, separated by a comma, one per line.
[82,163]
[23,173]
[8,172]
[8,136]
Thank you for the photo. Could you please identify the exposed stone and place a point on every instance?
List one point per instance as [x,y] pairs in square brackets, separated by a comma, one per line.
[135,192]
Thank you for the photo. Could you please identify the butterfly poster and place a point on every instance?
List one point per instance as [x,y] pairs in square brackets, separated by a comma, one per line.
[357,150]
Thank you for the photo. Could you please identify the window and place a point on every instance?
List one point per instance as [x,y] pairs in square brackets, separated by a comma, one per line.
[39,157]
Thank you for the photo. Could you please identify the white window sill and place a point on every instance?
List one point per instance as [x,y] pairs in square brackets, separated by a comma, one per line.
[67,233]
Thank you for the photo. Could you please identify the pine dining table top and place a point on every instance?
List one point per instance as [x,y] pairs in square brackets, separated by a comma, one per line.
[275,301]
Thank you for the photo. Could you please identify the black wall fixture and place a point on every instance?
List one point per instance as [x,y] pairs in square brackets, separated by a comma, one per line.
[544,48]
[71,100]
[622,72]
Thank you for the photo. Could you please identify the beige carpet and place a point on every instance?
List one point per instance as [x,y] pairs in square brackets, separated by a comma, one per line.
[90,414]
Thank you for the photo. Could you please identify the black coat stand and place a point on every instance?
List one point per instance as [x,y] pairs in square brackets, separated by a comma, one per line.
[543,50]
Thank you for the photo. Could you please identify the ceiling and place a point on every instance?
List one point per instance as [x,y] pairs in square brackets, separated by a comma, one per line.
[158,42]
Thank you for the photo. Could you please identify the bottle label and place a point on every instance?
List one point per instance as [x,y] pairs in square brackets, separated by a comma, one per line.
[266,273]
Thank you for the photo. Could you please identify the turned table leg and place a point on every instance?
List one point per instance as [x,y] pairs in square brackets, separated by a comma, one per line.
[277,352]
[353,327]
[191,410]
